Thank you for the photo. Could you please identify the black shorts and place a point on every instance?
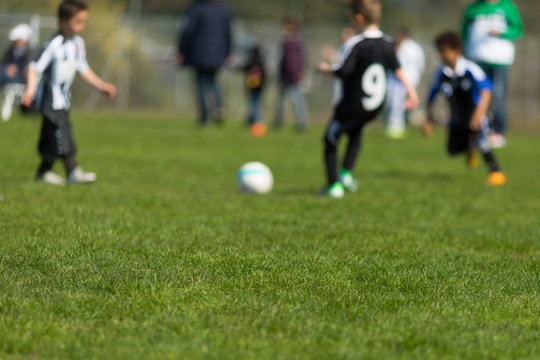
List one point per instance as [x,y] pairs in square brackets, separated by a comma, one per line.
[337,128]
[460,139]
[56,138]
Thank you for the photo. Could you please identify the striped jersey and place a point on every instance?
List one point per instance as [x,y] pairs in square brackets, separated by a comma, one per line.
[367,57]
[58,62]
[462,86]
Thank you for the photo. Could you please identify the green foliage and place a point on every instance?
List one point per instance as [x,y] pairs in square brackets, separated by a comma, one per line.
[163,258]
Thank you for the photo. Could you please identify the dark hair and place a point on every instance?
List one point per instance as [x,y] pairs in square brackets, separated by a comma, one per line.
[371,10]
[68,8]
[292,20]
[449,39]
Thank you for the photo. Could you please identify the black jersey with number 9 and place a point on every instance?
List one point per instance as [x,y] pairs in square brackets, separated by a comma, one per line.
[366,60]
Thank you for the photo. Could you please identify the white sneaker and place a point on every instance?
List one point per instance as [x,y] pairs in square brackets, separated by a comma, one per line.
[395,133]
[497,140]
[50,177]
[335,191]
[348,181]
[78,176]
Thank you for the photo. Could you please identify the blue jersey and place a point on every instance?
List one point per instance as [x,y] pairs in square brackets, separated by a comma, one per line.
[462,86]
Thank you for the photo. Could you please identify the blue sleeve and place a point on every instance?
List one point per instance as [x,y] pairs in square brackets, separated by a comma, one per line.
[435,85]
[483,83]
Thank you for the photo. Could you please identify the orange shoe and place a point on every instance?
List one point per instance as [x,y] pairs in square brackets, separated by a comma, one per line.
[496,178]
[472,159]
[257,129]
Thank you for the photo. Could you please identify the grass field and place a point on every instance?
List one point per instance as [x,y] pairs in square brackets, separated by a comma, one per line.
[162,258]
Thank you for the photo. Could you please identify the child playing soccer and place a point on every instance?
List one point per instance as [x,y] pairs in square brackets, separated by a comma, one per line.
[61,57]
[367,58]
[468,90]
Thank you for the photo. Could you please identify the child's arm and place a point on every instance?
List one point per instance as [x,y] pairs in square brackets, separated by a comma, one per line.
[31,84]
[325,67]
[480,110]
[412,97]
[343,69]
[427,127]
[107,88]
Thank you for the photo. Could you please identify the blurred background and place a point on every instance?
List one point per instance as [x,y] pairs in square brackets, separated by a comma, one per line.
[132,43]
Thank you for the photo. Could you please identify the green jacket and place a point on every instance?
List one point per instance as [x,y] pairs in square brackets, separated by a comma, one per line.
[481,45]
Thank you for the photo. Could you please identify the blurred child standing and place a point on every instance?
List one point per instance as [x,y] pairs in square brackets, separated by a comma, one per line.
[255,81]
[412,60]
[291,74]
[15,58]
[13,67]
[490,28]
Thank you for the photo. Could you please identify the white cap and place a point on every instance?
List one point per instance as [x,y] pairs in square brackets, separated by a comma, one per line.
[20,32]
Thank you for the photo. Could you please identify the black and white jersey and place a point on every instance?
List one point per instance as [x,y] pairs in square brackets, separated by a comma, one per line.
[366,60]
[57,63]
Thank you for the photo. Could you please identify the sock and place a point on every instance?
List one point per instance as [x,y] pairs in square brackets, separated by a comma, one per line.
[70,163]
[491,161]
[45,166]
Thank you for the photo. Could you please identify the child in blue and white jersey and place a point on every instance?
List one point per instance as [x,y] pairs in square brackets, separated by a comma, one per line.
[468,91]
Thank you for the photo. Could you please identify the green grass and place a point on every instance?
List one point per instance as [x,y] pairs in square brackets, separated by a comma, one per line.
[163,258]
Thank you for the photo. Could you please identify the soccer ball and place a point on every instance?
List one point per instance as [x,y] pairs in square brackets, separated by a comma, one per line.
[254,177]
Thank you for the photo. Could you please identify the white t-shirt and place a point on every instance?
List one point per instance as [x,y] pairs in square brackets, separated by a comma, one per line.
[412,60]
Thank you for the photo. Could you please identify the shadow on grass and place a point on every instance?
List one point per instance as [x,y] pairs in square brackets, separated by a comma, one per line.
[408,175]
[365,179]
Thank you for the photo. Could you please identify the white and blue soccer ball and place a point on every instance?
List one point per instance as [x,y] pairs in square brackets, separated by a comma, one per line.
[255,178]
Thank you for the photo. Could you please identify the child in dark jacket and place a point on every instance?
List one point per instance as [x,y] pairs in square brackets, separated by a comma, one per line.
[291,74]
[13,68]
[15,59]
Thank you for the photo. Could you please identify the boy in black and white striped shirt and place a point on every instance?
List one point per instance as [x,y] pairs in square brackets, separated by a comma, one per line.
[61,58]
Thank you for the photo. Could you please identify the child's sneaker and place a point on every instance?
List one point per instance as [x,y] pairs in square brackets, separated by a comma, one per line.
[50,177]
[78,176]
[497,140]
[257,129]
[335,190]
[496,178]
[472,159]
[348,181]
[395,133]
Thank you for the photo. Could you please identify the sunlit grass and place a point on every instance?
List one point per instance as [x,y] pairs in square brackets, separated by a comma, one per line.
[164,258]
